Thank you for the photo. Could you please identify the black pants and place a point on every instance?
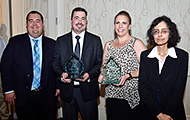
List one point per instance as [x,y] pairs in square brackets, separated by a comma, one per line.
[88,110]
[33,110]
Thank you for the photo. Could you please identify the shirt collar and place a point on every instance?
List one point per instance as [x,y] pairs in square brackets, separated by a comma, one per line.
[154,53]
[39,38]
[81,34]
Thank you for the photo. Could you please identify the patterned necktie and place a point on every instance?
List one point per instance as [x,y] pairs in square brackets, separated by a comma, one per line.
[77,47]
[36,66]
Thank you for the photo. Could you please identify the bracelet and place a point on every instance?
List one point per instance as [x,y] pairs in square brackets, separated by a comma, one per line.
[130,76]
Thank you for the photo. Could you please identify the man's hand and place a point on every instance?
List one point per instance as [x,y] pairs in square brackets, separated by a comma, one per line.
[85,77]
[162,116]
[57,94]
[64,76]
[10,98]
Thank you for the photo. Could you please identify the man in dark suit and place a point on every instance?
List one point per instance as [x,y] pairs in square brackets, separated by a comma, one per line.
[79,94]
[27,77]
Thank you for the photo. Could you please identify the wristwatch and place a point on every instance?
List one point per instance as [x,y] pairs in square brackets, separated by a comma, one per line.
[130,76]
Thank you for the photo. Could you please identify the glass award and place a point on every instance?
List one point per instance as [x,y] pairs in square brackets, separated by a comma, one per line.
[74,67]
[111,71]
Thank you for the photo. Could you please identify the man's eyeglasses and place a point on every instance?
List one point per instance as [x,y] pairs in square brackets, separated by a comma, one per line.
[163,31]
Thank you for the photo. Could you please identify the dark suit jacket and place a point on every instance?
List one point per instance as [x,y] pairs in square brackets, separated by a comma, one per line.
[170,84]
[92,59]
[17,70]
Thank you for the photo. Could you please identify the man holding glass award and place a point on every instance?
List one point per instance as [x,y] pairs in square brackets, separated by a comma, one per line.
[77,61]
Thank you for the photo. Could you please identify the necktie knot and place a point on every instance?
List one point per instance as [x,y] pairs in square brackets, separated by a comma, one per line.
[77,37]
[35,40]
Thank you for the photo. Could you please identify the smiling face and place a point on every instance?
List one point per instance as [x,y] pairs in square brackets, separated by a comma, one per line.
[78,22]
[34,25]
[122,25]
[161,34]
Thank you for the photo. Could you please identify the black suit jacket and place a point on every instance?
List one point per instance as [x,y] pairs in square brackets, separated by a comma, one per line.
[17,70]
[170,84]
[92,59]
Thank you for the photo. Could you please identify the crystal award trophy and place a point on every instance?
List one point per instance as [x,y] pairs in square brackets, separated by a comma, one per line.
[111,71]
[74,67]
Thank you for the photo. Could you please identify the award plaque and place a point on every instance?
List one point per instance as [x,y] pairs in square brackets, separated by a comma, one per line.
[74,67]
[111,71]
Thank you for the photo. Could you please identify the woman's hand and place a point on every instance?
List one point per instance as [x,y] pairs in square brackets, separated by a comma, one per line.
[123,79]
[100,78]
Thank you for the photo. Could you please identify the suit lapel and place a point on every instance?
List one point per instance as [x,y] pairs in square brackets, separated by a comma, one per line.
[44,51]
[44,65]
[29,57]
[85,44]
[169,62]
[154,64]
[28,49]
[70,43]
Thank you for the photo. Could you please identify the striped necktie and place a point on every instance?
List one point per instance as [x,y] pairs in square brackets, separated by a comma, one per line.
[36,66]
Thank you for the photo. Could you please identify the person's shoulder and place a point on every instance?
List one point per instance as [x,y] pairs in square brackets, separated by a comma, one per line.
[138,41]
[48,38]
[64,35]
[146,52]
[180,52]
[91,34]
[107,44]
[18,38]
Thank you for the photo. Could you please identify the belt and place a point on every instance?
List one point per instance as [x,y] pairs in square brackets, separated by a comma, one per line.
[36,89]
[76,86]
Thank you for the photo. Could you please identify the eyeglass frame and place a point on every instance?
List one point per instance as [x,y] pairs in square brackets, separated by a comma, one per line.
[163,31]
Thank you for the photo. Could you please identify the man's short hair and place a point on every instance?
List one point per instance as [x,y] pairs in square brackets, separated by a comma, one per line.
[78,9]
[34,12]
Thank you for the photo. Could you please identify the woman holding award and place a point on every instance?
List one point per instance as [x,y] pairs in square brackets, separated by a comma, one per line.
[122,99]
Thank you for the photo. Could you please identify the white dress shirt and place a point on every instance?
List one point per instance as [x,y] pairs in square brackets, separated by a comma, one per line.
[154,54]
[81,41]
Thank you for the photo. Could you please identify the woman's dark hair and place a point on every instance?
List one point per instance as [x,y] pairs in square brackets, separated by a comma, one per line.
[174,36]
